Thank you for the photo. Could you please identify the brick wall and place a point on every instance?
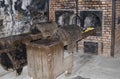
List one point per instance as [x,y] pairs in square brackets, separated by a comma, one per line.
[117,29]
[104,41]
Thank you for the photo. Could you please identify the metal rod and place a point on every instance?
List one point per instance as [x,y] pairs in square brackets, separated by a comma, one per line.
[113,28]
[76,7]
[48,7]
[76,2]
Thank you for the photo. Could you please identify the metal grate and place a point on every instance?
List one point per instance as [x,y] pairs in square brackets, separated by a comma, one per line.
[91,47]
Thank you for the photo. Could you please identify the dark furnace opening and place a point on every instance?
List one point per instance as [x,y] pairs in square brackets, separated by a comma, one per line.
[92,19]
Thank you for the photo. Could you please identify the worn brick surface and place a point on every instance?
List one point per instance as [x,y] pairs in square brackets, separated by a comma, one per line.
[99,5]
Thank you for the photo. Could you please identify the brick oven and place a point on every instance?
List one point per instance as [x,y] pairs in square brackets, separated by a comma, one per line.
[106,12]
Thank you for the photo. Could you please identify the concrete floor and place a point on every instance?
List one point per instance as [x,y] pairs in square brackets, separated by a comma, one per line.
[85,67]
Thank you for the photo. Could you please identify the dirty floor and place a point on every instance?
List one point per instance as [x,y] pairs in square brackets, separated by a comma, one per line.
[85,67]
